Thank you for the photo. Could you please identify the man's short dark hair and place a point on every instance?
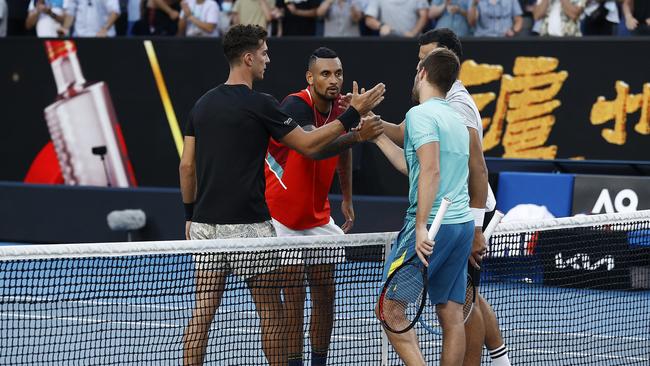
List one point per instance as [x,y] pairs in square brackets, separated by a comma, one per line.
[444,37]
[241,39]
[321,52]
[442,67]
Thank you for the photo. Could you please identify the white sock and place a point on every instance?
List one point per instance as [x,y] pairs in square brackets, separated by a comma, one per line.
[500,356]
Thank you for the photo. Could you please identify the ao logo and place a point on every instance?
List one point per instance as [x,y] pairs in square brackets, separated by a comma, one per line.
[605,201]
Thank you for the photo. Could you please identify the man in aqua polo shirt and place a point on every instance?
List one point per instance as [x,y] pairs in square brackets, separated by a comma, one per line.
[435,157]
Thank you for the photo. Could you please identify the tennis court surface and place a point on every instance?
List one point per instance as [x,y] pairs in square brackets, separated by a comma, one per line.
[566,292]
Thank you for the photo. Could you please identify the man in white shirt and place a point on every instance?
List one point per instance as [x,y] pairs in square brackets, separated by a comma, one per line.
[396,17]
[199,18]
[46,15]
[482,327]
[91,18]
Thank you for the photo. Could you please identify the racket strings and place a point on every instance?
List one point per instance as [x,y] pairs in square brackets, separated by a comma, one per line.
[403,298]
[470,298]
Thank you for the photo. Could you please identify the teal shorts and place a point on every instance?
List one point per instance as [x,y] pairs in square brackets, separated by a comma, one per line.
[447,271]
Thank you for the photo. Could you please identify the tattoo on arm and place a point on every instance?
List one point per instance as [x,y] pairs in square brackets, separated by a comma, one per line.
[337,146]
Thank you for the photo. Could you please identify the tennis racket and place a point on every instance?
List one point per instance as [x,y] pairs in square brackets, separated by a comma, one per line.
[429,319]
[404,294]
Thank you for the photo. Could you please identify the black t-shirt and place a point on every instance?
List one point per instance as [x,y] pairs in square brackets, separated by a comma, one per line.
[232,125]
[293,25]
[300,111]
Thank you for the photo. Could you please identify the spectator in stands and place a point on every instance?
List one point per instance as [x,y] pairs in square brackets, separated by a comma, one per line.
[451,14]
[256,12]
[404,18]
[225,16]
[528,21]
[601,18]
[122,22]
[199,18]
[637,16]
[162,17]
[363,28]
[559,18]
[47,16]
[91,18]
[134,13]
[495,18]
[300,18]
[341,18]
[4,15]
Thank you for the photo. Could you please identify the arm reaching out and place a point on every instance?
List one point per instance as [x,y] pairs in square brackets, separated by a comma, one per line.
[394,153]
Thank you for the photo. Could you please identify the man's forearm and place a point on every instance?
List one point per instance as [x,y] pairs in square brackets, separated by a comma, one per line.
[111,20]
[30,22]
[67,22]
[266,9]
[324,7]
[472,14]
[162,5]
[373,23]
[338,146]
[571,10]
[628,8]
[428,181]
[435,11]
[188,185]
[59,18]
[393,153]
[204,26]
[394,132]
[344,170]
[478,187]
[539,11]
[518,23]
[422,21]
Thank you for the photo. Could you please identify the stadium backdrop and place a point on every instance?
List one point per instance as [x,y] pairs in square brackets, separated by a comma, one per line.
[570,99]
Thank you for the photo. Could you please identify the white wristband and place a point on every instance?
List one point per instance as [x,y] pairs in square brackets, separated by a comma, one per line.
[479,214]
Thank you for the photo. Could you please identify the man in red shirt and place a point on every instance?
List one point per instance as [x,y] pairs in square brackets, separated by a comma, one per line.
[296,193]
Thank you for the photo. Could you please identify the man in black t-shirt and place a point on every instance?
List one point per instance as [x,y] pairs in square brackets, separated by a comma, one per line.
[222,184]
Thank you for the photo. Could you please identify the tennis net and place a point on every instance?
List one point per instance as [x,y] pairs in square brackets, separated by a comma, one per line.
[566,292]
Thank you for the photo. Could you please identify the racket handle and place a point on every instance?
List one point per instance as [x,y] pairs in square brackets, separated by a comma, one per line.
[437,221]
[489,230]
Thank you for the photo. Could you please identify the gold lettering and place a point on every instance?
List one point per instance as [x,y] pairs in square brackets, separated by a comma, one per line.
[604,110]
[472,74]
[526,103]
[534,65]
[625,103]
[643,126]
[483,99]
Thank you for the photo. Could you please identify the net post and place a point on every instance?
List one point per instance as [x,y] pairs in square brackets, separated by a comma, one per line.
[384,337]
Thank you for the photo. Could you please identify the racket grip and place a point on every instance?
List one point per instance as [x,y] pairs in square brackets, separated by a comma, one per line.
[489,230]
[437,221]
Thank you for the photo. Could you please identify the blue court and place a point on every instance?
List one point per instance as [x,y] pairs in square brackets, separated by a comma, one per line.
[51,314]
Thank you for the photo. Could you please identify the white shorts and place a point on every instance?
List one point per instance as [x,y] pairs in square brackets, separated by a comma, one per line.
[310,257]
[244,265]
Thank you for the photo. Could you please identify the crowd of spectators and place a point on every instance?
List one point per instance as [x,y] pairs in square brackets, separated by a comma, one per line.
[329,18]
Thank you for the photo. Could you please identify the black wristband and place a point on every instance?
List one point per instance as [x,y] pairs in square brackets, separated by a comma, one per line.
[189,211]
[350,118]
